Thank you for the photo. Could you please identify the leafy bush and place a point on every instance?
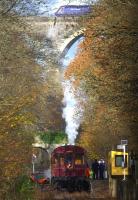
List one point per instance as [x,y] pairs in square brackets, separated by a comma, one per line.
[22,189]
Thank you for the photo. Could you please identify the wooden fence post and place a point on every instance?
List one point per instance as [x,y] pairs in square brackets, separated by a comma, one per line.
[113,187]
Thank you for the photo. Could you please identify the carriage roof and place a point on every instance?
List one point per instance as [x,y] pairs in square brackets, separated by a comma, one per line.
[68,149]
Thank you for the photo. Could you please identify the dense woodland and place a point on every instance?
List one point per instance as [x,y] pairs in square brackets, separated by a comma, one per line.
[106,70]
[30,98]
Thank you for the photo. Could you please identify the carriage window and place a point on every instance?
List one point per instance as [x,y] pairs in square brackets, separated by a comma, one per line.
[79,159]
[55,160]
[119,160]
[69,158]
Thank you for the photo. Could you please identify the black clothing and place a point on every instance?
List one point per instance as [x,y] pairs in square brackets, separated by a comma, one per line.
[95,169]
[101,170]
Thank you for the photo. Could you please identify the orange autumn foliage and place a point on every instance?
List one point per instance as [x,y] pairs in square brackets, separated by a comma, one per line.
[106,70]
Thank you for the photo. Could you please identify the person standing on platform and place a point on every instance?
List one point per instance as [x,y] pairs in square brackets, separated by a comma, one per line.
[95,169]
[87,171]
[101,169]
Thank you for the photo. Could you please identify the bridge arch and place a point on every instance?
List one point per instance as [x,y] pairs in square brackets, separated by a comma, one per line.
[70,41]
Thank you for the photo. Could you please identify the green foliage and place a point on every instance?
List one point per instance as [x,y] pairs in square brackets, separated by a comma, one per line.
[19,188]
[53,137]
[24,188]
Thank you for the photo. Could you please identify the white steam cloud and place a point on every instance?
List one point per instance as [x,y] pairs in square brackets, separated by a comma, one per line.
[70,112]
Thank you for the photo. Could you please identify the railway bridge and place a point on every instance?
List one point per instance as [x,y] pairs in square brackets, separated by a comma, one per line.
[63,32]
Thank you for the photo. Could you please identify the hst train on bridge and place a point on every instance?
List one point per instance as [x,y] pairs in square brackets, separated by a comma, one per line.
[73,10]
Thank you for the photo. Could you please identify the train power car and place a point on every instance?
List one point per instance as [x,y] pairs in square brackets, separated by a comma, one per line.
[69,168]
[73,10]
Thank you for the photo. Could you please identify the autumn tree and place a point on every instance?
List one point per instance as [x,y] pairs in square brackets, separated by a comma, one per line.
[26,91]
[18,92]
[106,69]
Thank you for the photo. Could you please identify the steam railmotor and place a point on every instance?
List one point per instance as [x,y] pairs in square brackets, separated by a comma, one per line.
[69,168]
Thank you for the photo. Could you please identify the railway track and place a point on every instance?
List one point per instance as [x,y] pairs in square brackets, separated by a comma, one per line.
[99,191]
[70,196]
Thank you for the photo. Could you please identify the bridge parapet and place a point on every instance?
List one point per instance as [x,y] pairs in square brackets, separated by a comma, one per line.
[60,31]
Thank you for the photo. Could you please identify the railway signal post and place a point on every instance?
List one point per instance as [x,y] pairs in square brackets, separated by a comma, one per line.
[33,163]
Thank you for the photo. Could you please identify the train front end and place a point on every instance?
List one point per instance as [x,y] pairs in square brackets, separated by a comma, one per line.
[69,168]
